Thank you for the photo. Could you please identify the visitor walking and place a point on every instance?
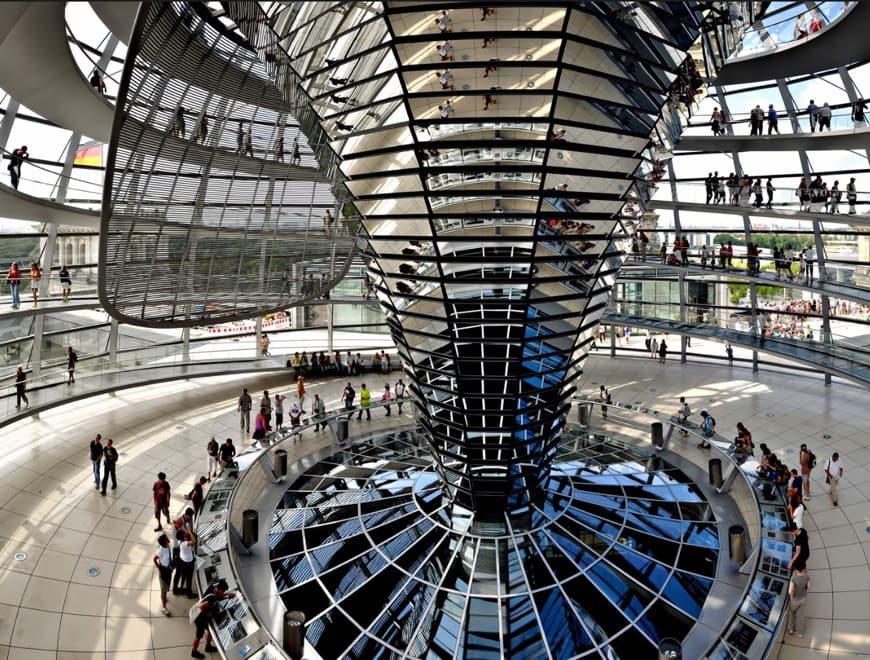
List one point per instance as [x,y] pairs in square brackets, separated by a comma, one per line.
[13,279]
[386,398]
[851,195]
[318,411]
[110,462]
[833,473]
[813,112]
[96,453]
[772,120]
[71,359]
[21,389]
[244,410]
[825,118]
[212,449]
[365,399]
[35,279]
[16,159]
[400,393]
[65,283]
[161,492]
[163,562]
[798,587]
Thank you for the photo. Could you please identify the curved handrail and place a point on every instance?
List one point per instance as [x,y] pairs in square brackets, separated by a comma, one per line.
[696,192]
[261,455]
[41,166]
[826,357]
[767,37]
[740,468]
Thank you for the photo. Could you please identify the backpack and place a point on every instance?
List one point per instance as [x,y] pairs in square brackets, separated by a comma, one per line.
[689,411]
[812,461]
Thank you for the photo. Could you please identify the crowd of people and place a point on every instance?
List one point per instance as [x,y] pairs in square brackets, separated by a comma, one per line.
[322,364]
[819,118]
[15,276]
[777,480]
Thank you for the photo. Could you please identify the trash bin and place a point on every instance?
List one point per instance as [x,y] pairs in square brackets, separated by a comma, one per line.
[250,527]
[737,543]
[281,462]
[584,413]
[714,471]
[294,634]
[670,649]
[657,435]
[341,428]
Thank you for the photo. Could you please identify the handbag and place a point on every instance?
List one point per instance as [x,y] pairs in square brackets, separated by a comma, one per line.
[194,612]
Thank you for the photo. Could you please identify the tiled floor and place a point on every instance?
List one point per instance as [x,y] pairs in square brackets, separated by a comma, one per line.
[83,586]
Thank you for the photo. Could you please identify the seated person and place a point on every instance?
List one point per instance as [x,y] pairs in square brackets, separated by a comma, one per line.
[743,441]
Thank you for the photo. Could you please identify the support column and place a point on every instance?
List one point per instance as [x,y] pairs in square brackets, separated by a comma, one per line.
[681,274]
[113,341]
[258,335]
[330,339]
[8,120]
[747,235]
[185,344]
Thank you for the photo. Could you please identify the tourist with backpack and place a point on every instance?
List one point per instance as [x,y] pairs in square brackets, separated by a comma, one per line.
[708,429]
[808,462]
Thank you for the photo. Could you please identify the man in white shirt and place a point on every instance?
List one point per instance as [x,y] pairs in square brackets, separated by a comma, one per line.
[683,412]
[163,561]
[809,260]
[833,473]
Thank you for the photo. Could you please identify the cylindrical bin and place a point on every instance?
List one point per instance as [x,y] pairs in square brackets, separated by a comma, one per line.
[737,543]
[341,428]
[294,634]
[714,471]
[657,435]
[250,527]
[670,649]
[584,412]
[281,462]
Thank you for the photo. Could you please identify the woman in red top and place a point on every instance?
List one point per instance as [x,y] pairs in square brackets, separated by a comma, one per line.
[35,277]
[13,279]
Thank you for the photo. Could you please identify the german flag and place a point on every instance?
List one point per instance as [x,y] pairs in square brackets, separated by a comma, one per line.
[90,153]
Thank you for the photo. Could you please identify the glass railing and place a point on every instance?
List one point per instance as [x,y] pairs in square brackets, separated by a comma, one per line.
[785,197]
[170,360]
[786,29]
[42,181]
[739,123]
[784,332]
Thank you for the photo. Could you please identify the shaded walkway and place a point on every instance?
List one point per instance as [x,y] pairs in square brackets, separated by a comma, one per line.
[15,204]
[829,140]
[842,42]
[775,212]
[639,269]
[852,365]
[46,305]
